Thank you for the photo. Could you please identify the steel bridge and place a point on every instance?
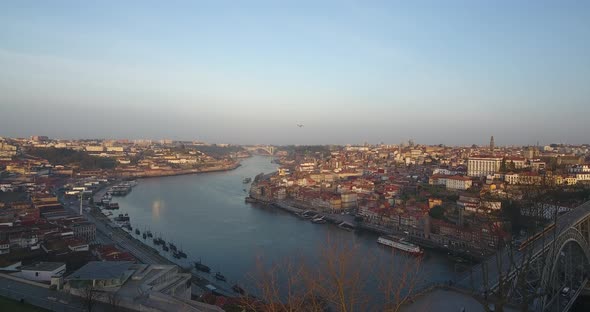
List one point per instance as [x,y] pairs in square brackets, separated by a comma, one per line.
[268,149]
[545,273]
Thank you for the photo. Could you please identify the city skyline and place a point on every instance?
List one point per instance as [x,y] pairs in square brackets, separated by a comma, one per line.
[250,73]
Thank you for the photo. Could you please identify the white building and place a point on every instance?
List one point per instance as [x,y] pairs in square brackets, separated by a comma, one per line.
[483,166]
[94,148]
[42,271]
[458,183]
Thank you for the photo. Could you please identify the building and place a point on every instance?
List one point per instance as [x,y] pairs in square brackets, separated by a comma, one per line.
[142,287]
[451,182]
[42,271]
[85,231]
[483,166]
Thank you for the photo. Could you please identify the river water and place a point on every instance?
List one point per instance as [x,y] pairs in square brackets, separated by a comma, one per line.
[206,215]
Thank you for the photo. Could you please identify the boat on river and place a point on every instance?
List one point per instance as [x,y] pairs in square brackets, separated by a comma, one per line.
[247,180]
[400,244]
[237,289]
[319,220]
[201,267]
[220,277]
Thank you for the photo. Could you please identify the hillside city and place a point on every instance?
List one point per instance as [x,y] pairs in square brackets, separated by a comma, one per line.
[58,232]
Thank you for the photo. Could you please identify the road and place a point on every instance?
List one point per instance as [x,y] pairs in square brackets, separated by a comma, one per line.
[48,299]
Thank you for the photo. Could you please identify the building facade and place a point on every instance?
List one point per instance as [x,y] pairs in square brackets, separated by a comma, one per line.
[483,166]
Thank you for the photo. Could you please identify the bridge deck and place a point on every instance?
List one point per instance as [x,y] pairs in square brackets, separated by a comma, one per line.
[507,258]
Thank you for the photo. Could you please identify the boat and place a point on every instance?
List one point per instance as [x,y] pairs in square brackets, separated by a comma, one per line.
[122,218]
[346,226]
[308,214]
[144,236]
[400,244]
[181,254]
[165,248]
[319,220]
[201,267]
[137,231]
[247,180]
[236,288]
[220,277]
[149,234]
[112,206]
[172,246]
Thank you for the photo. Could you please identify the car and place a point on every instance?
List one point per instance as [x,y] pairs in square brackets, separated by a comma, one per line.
[565,291]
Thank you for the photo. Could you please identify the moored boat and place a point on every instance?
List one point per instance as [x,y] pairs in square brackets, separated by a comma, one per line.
[400,244]
[220,277]
[201,267]
[318,220]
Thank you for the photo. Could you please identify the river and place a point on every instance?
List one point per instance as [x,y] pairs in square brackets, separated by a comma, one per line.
[206,215]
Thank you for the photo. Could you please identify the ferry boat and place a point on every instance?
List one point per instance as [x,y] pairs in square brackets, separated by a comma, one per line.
[401,244]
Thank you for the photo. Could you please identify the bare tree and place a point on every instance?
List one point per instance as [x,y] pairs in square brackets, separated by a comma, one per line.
[113,300]
[337,281]
[90,294]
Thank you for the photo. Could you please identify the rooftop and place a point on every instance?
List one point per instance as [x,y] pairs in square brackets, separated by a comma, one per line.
[95,270]
[43,266]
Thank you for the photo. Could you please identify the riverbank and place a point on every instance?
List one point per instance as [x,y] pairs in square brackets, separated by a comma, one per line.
[152,173]
[141,249]
[298,208]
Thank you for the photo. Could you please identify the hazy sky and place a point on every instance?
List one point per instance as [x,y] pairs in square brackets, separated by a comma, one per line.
[452,72]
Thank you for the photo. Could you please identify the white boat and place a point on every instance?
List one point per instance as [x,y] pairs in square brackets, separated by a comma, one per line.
[401,244]
[319,220]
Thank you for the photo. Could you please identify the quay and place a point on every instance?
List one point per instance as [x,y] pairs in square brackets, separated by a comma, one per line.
[108,233]
[349,220]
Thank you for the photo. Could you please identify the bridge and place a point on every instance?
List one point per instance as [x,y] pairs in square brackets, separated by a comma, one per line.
[547,272]
[260,149]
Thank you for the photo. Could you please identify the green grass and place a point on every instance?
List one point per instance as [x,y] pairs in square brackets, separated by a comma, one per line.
[13,305]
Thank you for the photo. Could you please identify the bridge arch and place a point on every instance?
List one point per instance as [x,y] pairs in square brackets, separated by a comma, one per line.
[570,243]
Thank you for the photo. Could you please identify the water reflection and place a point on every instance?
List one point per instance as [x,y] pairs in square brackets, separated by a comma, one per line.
[156,206]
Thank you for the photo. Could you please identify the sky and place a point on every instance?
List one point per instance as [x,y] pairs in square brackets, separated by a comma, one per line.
[247,72]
